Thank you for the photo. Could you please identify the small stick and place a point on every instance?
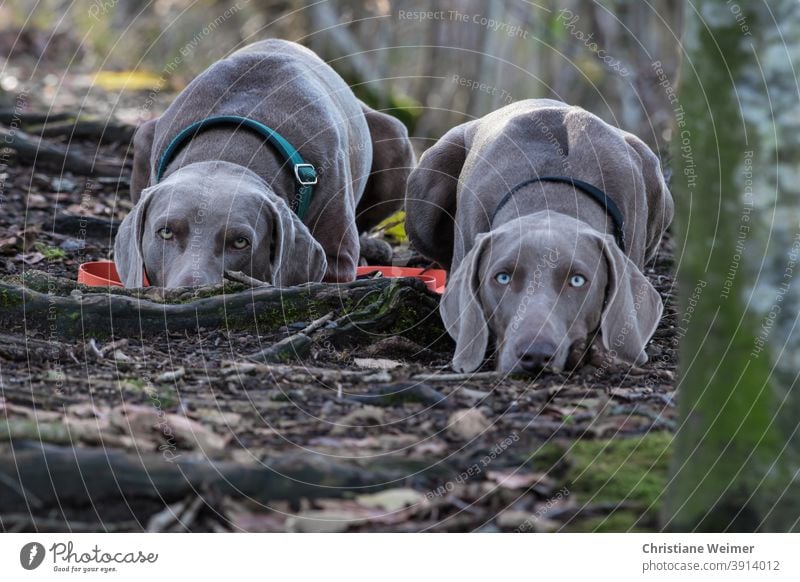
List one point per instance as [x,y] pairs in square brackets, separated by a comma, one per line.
[458,377]
[160,521]
[240,277]
[293,344]
[95,350]
[21,521]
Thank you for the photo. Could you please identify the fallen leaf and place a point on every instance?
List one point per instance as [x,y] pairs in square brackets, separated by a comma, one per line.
[31,258]
[519,480]
[171,375]
[38,415]
[472,396]
[195,435]
[37,201]
[126,80]
[525,522]
[217,417]
[384,442]
[10,245]
[466,424]
[376,363]
[430,447]
[267,522]
[391,499]
[360,417]
[393,227]
[151,423]
[86,410]
[333,520]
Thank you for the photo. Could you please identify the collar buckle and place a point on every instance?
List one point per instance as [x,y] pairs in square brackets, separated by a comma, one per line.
[310,174]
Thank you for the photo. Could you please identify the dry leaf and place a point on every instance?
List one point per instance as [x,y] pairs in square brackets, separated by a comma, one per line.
[376,363]
[360,417]
[518,480]
[391,499]
[147,422]
[466,424]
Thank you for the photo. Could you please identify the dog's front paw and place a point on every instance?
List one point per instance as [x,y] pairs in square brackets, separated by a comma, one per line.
[374,251]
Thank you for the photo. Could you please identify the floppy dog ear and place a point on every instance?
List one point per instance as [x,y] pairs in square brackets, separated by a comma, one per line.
[392,160]
[128,256]
[660,207]
[142,149]
[431,196]
[296,256]
[462,312]
[633,307]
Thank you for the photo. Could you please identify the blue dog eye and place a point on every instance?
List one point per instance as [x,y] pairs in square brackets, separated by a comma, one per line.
[577,281]
[503,278]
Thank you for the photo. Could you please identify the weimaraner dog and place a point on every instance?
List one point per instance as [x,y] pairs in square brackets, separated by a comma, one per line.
[267,164]
[545,215]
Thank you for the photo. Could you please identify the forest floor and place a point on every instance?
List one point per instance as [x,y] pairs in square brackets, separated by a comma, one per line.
[166,430]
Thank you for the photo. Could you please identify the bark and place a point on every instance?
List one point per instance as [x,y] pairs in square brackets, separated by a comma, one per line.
[735,152]
[45,155]
[29,469]
[63,309]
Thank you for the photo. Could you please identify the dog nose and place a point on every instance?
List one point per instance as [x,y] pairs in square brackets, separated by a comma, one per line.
[195,279]
[536,356]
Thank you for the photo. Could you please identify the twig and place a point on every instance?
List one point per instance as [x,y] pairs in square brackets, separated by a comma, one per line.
[19,521]
[187,518]
[166,517]
[98,354]
[293,345]
[394,394]
[113,346]
[240,277]
[10,115]
[457,377]
[101,131]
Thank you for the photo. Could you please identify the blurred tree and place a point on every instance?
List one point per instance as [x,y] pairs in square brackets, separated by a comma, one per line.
[736,156]
[432,70]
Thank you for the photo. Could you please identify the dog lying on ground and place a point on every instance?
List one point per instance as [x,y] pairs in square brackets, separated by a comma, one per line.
[267,164]
[545,215]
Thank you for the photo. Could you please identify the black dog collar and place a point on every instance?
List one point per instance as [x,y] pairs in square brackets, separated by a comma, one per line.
[595,193]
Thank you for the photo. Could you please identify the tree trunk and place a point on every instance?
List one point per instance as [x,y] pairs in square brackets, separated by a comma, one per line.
[735,159]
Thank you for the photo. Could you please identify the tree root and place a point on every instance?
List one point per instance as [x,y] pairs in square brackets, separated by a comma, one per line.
[63,309]
[45,155]
[48,478]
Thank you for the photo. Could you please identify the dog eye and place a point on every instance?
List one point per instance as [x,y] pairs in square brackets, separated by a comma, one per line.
[503,278]
[241,243]
[577,281]
[165,233]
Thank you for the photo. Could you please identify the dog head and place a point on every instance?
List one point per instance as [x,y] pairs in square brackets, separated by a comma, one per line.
[540,284]
[211,217]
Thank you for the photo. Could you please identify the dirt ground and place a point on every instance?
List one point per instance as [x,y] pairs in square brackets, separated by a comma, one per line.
[375,435]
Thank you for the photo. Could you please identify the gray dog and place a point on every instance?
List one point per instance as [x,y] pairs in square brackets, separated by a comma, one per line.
[267,164]
[545,215]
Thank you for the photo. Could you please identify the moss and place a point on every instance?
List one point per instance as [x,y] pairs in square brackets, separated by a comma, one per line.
[631,471]
[133,384]
[9,299]
[619,521]
[50,253]
[621,469]
[167,397]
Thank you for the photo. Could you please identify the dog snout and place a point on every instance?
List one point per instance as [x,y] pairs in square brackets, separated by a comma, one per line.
[195,279]
[536,356]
